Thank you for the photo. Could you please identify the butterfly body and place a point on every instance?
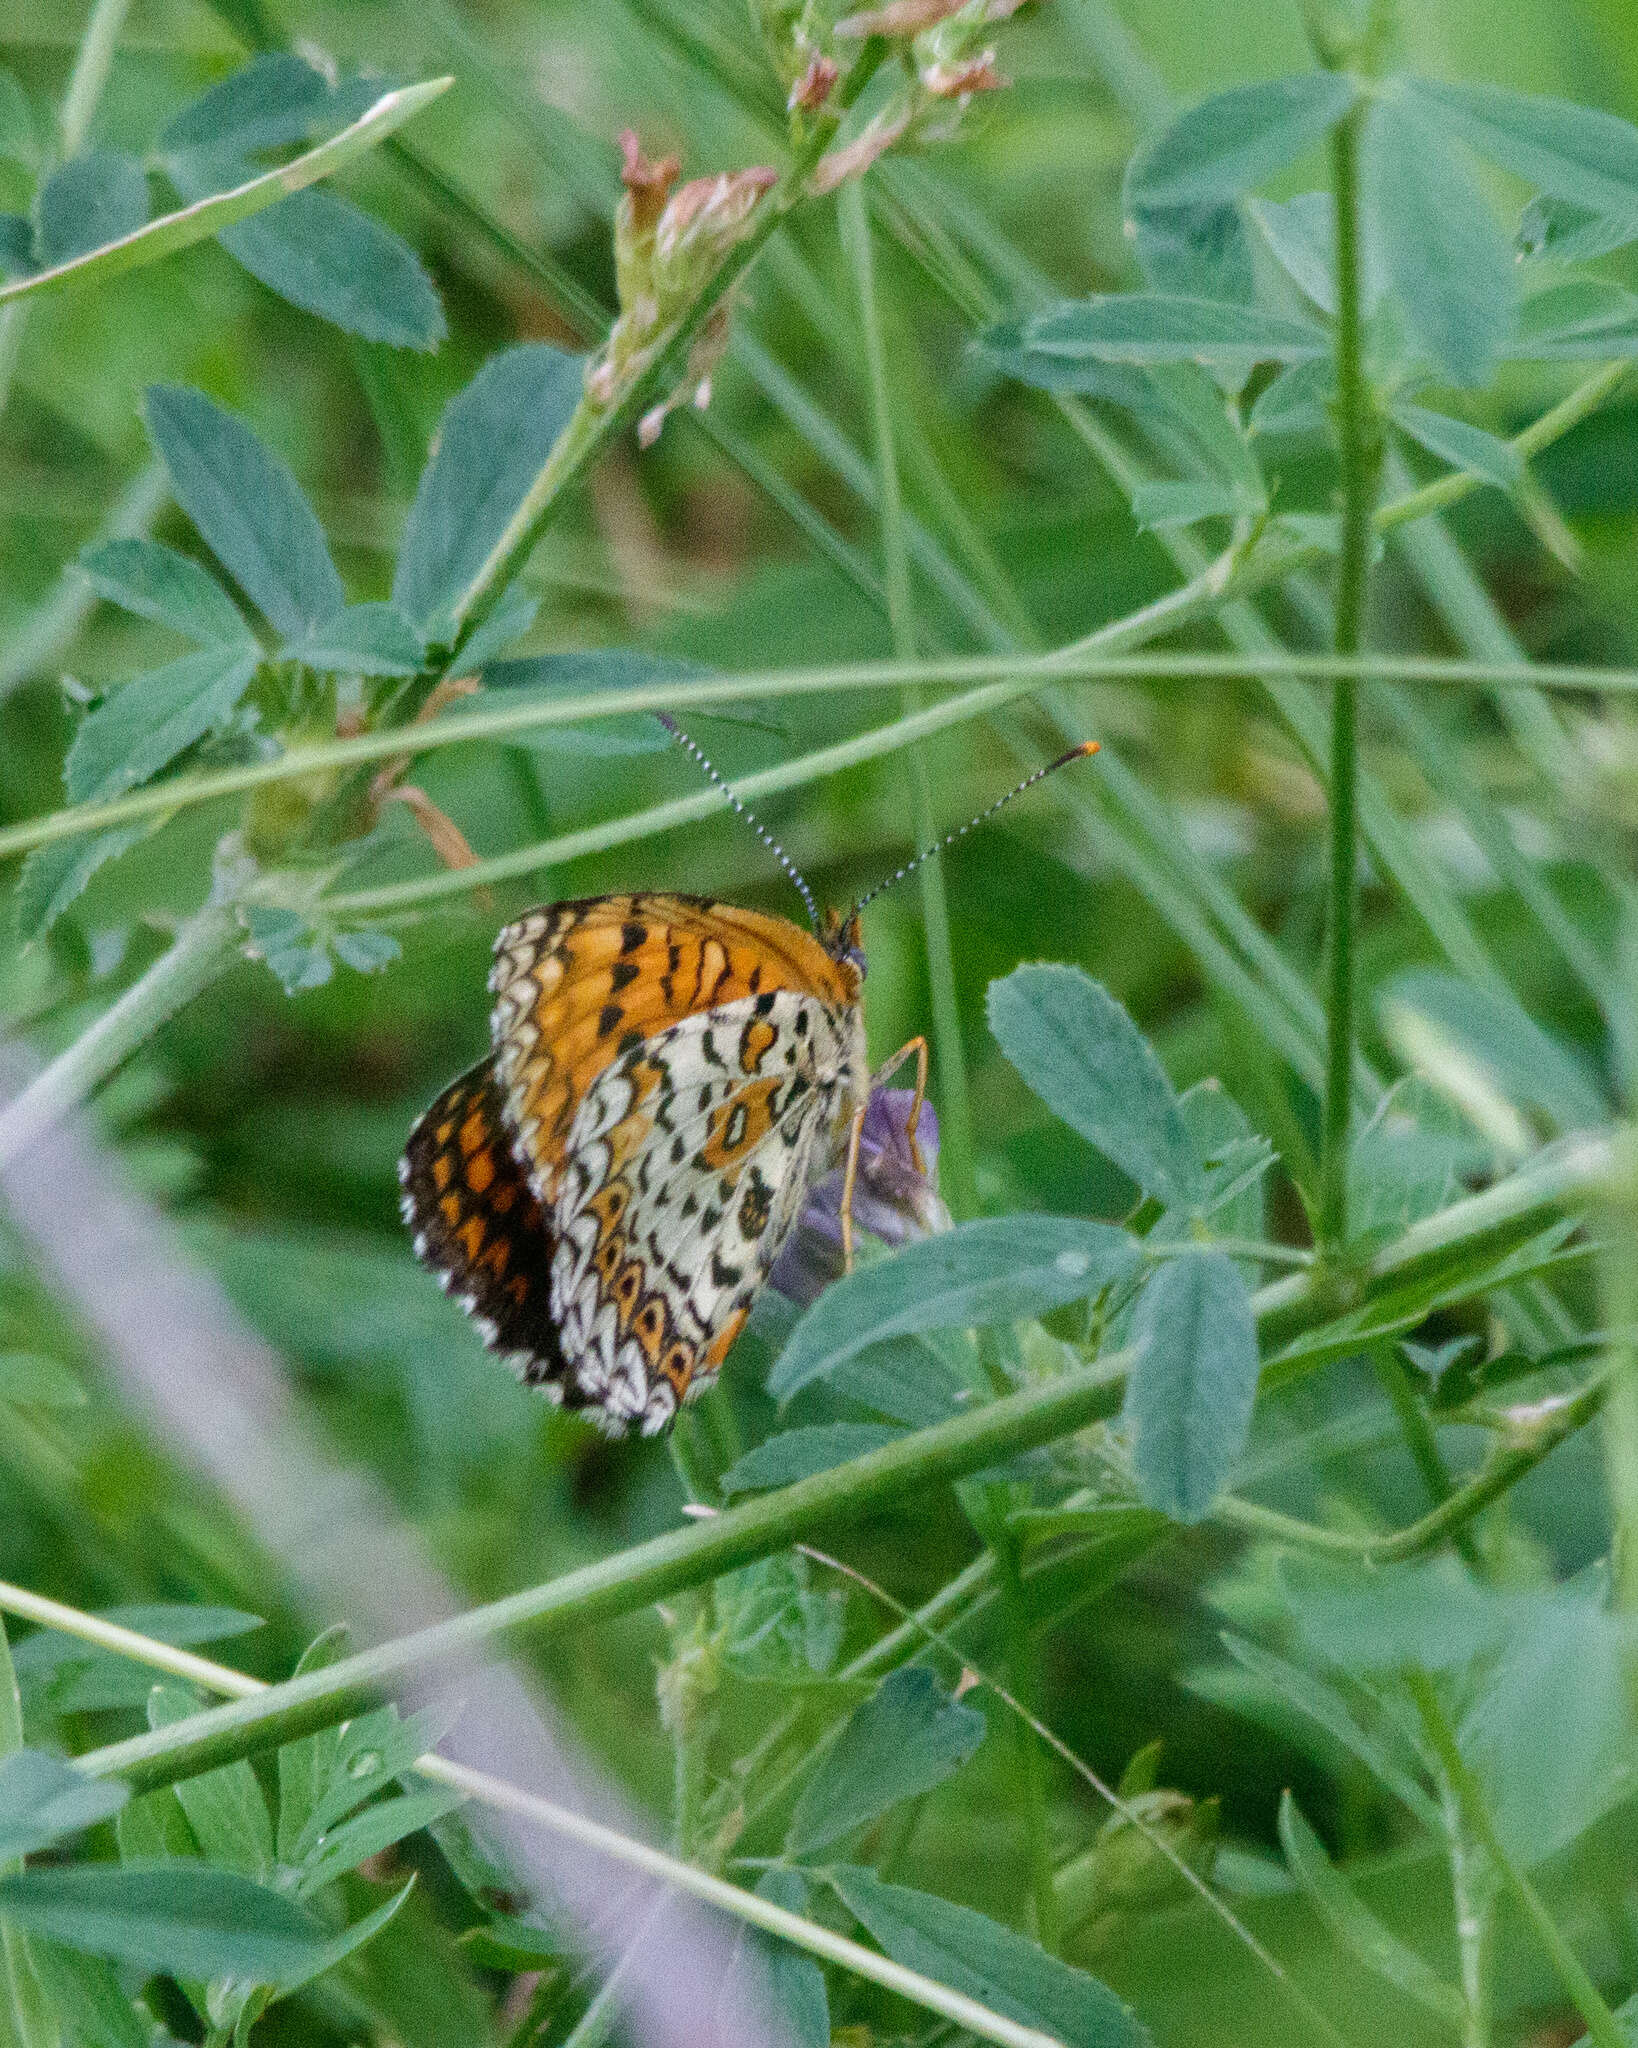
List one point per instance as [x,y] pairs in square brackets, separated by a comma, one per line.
[607,1191]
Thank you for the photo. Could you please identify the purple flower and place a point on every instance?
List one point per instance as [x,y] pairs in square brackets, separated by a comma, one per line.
[892,1199]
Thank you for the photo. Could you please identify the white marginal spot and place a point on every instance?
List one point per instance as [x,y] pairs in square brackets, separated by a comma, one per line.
[1073,1265]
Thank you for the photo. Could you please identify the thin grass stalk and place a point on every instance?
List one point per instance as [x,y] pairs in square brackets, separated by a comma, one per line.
[1602,2026]
[1619,1283]
[1359,444]
[957,1171]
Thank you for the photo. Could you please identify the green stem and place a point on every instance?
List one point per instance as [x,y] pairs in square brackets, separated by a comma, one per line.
[204,948]
[90,74]
[497,1793]
[633,1578]
[1601,2022]
[1359,442]
[1620,1303]
[957,1173]
[1539,1437]
[1394,1378]
[1113,654]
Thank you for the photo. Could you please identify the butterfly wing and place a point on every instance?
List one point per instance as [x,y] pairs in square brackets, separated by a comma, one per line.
[478,1224]
[579,985]
[685,1168]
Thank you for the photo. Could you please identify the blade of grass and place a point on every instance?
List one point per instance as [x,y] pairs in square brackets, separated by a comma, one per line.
[957,1172]
[190,224]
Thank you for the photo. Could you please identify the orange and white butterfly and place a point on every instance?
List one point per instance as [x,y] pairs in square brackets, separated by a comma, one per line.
[669,1078]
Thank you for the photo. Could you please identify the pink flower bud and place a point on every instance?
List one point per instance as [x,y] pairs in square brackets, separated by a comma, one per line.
[958,81]
[813,88]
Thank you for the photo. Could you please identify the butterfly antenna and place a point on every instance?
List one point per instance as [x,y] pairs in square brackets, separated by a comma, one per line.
[714,775]
[1075,754]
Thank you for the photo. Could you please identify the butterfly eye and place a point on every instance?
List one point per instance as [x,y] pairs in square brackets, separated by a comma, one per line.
[855,957]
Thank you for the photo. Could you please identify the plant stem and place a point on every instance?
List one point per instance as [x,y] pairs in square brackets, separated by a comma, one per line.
[1501,1472]
[957,1173]
[90,74]
[1113,654]
[1601,2023]
[204,948]
[1359,444]
[1393,1376]
[495,1792]
[633,1578]
[1619,1275]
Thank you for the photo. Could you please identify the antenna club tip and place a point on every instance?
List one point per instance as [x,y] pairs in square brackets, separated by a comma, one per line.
[1088,747]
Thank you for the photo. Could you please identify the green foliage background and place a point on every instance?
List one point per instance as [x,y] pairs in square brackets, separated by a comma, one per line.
[270,1124]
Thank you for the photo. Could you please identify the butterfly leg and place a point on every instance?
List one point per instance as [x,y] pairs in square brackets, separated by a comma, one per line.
[850,1180]
[915,1048]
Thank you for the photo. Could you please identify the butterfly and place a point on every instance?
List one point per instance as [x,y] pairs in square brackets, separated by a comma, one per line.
[669,1077]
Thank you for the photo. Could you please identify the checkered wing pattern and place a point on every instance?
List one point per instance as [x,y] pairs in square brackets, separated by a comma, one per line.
[670,1075]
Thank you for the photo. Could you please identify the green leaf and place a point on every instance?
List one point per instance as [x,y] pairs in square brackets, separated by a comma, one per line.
[247,506]
[368,1833]
[157,583]
[366,952]
[42,1800]
[1233,1162]
[296,954]
[777,1628]
[225,1807]
[373,1751]
[1584,320]
[1156,505]
[365,640]
[1191,1389]
[906,1738]
[491,445]
[997,1270]
[1443,251]
[1572,153]
[1003,349]
[1155,327]
[1232,141]
[1199,250]
[1488,1030]
[1297,401]
[305,1767]
[1355,1925]
[1408,1161]
[16,246]
[18,142]
[512,617]
[1432,1616]
[28,1379]
[79,1677]
[192,224]
[185,1920]
[85,1992]
[153,718]
[92,200]
[1084,1057]
[324,254]
[1193,401]
[53,876]
[1302,233]
[1316,1701]
[272,100]
[973,1954]
[1462,445]
[1571,234]
[799,1453]
[793,1981]
[906,1379]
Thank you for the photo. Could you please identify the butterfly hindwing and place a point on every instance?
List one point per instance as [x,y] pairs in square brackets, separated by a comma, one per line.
[478,1225]
[685,1169]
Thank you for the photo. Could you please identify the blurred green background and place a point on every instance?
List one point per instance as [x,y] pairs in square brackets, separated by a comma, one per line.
[271,1125]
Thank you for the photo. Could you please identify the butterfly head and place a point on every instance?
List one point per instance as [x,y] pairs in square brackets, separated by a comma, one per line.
[843,939]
